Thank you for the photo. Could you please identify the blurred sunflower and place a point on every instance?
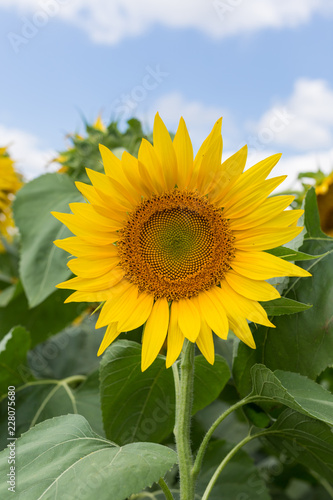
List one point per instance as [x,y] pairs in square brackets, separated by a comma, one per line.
[324,192]
[9,184]
[178,244]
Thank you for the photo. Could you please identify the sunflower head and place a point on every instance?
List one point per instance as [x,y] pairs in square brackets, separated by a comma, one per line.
[176,242]
[9,184]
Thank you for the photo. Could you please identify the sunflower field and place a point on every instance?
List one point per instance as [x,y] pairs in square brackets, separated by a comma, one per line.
[166,323]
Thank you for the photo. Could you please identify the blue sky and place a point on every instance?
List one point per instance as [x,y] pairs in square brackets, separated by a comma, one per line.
[265,65]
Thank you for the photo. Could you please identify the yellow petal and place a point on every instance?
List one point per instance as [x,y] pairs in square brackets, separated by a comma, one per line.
[252,176]
[92,268]
[99,296]
[80,248]
[247,201]
[110,335]
[265,238]
[215,133]
[242,330]
[119,305]
[184,153]
[138,314]
[210,166]
[230,171]
[94,284]
[269,210]
[285,219]
[115,211]
[165,152]
[175,336]
[131,170]
[155,332]
[107,190]
[214,313]
[205,342]
[188,319]
[78,227]
[150,168]
[263,266]
[252,289]
[112,164]
[88,213]
[250,309]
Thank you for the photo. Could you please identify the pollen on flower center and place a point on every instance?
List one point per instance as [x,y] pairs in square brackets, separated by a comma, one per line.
[176,245]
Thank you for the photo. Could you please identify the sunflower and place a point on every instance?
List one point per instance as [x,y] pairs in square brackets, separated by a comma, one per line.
[178,244]
[324,192]
[9,184]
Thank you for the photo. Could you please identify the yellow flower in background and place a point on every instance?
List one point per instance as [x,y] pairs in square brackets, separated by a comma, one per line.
[324,193]
[9,184]
[178,243]
[99,125]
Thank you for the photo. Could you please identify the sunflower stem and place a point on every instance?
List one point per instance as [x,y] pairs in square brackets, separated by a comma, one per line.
[184,396]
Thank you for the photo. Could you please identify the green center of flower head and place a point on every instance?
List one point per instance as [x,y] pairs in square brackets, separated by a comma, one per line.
[176,245]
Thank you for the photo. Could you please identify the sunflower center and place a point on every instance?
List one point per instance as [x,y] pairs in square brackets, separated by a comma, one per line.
[175,245]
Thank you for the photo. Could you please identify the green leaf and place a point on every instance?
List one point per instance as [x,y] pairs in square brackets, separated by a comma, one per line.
[136,406]
[13,358]
[72,351]
[307,441]
[42,321]
[63,458]
[239,480]
[9,261]
[311,217]
[293,390]
[43,265]
[209,381]
[10,293]
[289,254]
[43,399]
[281,306]
[140,406]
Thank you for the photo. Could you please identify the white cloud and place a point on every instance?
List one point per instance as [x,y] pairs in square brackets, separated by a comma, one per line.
[111,21]
[304,121]
[30,158]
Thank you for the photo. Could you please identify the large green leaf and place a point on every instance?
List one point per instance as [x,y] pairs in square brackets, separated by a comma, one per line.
[63,458]
[239,480]
[140,406]
[43,399]
[307,441]
[43,265]
[296,391]
[13,358]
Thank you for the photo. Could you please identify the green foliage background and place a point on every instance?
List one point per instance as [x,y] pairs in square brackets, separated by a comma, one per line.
[100,428]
